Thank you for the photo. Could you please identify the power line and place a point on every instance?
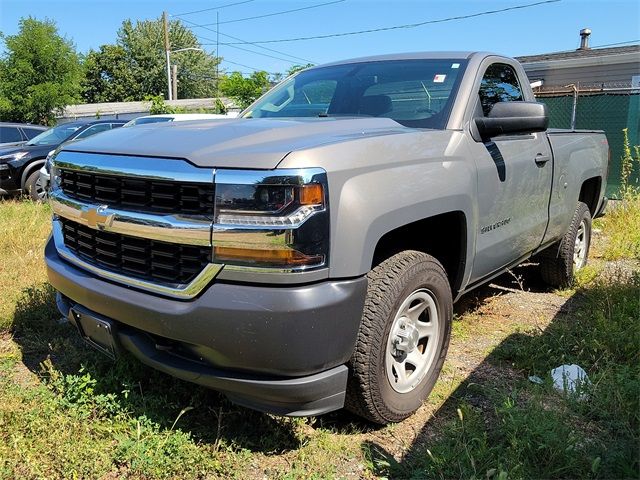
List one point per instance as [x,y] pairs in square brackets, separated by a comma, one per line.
[277,13]
[246,50]
[247,66]
[397,27]
[267,55]
[244,42]
[617,43]
[212,8]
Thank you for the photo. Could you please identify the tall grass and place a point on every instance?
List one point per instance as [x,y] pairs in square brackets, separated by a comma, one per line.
[533,431]
[24,227]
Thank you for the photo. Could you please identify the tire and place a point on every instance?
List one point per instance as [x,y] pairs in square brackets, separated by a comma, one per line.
[387,345]
[560,261]
[33,187]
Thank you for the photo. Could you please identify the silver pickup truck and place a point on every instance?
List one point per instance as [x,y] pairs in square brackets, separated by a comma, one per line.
[306,256]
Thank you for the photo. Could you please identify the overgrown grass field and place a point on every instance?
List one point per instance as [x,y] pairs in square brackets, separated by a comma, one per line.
[67,412]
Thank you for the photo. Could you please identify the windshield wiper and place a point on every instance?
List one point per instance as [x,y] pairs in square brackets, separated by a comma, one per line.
[324,115]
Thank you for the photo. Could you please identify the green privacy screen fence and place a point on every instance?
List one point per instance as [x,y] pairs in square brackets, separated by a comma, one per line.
[610,111]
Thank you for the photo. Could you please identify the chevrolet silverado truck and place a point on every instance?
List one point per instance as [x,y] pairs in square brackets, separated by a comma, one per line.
[305,256]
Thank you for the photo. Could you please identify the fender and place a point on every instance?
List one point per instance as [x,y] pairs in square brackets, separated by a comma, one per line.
[28,170]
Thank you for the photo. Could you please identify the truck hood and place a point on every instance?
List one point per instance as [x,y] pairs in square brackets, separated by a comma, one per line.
[242,143]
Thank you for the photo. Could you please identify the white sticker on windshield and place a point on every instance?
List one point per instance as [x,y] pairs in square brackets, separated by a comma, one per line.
[439,78]
[455,65]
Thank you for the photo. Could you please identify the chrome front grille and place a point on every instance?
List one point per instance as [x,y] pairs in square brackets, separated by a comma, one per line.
[138,194]
[137,257]
[144,222]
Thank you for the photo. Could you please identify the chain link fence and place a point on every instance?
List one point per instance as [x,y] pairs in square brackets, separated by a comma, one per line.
[608,107]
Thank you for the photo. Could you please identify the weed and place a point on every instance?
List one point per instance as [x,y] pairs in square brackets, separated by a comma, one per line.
[621,229]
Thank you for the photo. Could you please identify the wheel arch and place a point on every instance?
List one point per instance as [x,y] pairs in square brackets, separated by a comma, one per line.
[590,193]
[28,169]
[443,236]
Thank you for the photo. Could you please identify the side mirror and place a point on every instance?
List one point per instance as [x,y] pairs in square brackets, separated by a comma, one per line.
[513,118]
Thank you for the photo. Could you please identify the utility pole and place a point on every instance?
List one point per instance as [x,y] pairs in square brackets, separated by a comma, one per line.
[174,81]
[217,56]
[167,51]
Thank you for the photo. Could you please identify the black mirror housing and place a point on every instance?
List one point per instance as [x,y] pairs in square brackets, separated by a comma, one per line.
[513,118]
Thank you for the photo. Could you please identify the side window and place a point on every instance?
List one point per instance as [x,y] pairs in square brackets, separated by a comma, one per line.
[32,132]
[499,84]
[93,130]
[10,135]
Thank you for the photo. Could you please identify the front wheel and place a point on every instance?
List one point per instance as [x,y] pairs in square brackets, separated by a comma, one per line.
[403,337]
[34,187]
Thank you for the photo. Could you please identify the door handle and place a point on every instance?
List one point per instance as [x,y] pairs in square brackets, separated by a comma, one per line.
[542,159]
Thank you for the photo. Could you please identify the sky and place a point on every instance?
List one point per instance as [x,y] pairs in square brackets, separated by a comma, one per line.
[543,28]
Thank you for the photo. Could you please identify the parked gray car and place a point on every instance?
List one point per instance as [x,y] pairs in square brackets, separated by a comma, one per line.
[12,134]
[306,256]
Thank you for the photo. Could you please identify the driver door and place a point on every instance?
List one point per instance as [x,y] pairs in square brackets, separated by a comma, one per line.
[514,181]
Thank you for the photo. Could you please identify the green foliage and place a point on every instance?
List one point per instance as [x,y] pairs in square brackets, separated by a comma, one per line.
[629,164]
[621,227]
[219,107]
[143,45]
[109,76]
[244,90]
[297,68]
[135,67]
[159,106]
[40,73]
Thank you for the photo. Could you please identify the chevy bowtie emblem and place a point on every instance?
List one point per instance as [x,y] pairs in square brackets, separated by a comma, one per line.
[96,218]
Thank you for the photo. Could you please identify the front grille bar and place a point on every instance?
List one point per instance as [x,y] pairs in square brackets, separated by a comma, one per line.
[179,291]
[183,229]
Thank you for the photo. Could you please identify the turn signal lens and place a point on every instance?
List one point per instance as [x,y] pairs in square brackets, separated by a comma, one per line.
[311,194]
[270,258]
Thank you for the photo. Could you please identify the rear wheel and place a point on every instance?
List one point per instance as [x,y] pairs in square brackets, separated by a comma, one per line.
[559,262]
[403,338]
[34,187]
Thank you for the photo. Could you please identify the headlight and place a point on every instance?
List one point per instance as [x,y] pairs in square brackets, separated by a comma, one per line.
[49,160]
[13,156]
[277,219]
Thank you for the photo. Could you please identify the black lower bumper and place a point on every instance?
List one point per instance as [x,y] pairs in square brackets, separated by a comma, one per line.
[275,349]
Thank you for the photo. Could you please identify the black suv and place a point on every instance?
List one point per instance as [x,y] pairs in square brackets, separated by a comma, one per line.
[12,134]
[20,165]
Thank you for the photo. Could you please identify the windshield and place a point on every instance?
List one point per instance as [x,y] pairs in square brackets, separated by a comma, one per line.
[55,135]
[143,120]
[414,93]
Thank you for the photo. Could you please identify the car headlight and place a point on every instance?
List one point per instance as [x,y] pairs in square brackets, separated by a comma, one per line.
[13,156]
[49,160]
[273,219]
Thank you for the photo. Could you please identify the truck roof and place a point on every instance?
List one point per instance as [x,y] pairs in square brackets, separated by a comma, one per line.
[461,55]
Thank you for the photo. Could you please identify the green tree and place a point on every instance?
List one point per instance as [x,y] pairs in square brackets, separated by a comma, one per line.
[297,68]
[245,90]
[40,73]
[143,44]
[109,76]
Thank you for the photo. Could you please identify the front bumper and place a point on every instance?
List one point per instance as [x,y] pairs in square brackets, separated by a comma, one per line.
[8,184]
[276,349]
